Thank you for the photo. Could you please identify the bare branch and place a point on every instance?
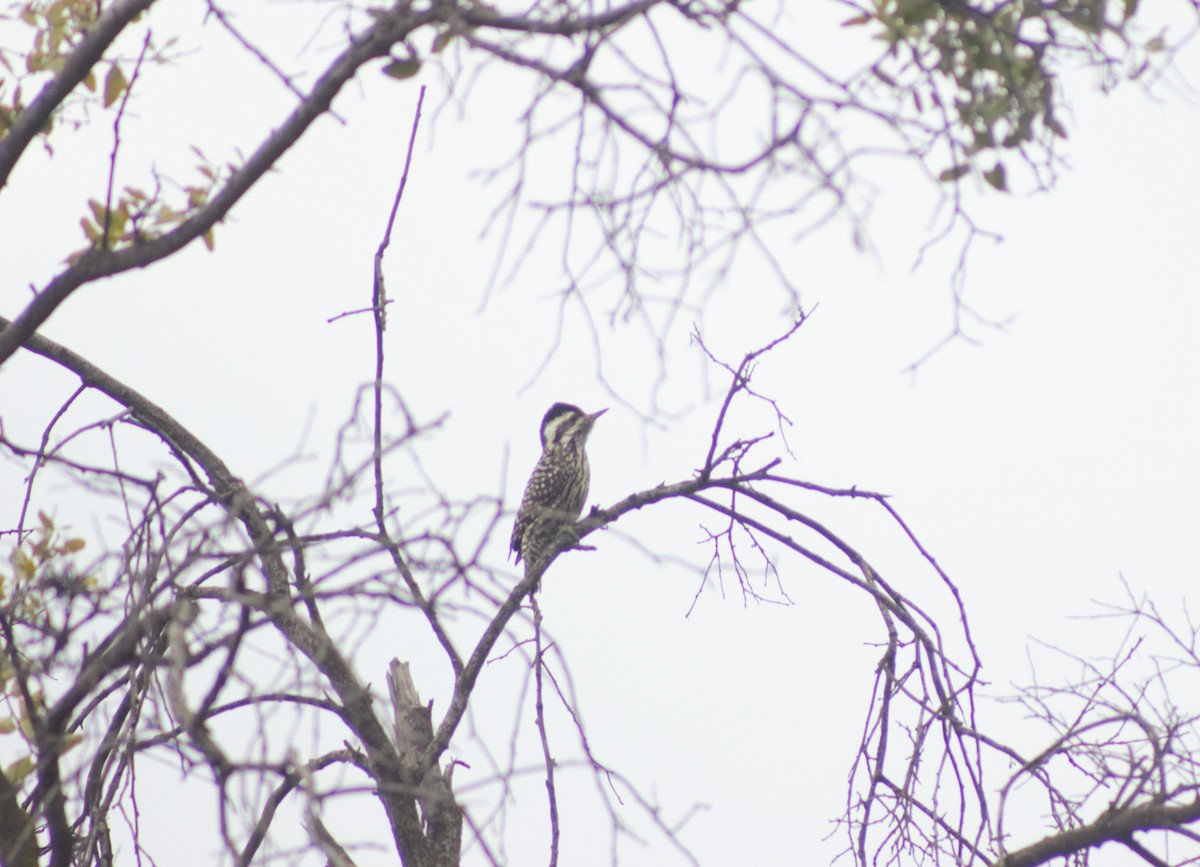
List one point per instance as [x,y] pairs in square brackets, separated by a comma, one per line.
[107,27]
[96,264]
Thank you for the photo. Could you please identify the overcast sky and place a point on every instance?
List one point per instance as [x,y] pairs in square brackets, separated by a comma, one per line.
[1039,464]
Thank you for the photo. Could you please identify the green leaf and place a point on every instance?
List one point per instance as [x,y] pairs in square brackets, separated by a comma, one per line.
[401,69]
[116,226]
[114,85]
[20,769]
[1054,126]
[25,567]
[996,178]
[954,173]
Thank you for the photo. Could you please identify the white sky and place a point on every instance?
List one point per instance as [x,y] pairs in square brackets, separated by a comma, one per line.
[1038,466]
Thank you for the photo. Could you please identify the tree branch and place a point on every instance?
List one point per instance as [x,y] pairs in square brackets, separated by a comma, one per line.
[78,66]
[1108,828]
[95,264]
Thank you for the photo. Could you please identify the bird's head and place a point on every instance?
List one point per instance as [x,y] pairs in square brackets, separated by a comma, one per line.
[564,422]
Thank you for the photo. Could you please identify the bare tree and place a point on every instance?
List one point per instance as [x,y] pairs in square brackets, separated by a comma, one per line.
[153,652]
[156,641]
[958,88]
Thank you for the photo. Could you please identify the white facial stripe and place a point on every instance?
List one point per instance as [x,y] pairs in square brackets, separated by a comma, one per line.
[556,425]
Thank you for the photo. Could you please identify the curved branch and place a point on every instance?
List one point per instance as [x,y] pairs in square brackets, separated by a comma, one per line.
[96,264]
[293,778]
[78,65]
[1109,828]
[464,684]
[230,492]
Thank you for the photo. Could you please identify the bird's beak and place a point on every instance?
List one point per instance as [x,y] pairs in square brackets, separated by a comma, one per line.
[597,415]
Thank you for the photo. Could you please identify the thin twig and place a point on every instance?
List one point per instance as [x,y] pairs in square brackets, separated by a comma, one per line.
[540,718]
[105,239]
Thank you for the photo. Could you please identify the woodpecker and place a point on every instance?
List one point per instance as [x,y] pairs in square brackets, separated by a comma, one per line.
[556,491]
